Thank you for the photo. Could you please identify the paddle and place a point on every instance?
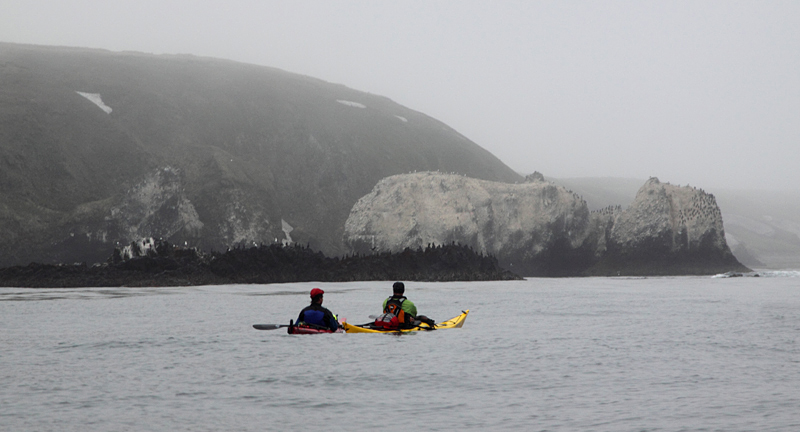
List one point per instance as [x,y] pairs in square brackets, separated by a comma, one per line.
[291,324]
[269,326]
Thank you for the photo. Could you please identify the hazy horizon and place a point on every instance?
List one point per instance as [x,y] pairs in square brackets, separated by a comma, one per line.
[700,93]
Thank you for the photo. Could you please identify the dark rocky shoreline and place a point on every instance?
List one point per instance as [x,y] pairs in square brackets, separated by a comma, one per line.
[168,265]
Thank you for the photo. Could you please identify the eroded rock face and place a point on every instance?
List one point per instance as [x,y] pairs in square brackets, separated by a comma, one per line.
[156,206]
[527,222]
[539,229]
[668,229]
[686,217]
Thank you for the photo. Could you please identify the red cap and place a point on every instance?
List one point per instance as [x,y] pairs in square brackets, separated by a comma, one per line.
[316,291]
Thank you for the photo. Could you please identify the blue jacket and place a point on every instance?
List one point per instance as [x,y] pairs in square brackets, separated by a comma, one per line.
[318,315]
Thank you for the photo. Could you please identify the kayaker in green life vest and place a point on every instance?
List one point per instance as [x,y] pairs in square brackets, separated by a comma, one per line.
[400,312]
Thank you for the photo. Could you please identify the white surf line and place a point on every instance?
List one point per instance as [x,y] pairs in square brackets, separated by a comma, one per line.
[351,103]
[95,99]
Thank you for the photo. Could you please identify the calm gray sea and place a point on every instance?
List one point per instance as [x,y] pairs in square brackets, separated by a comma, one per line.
[594,354]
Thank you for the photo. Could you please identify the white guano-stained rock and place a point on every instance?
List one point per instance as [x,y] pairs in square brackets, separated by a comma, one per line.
[687,216]
[539,229]
[414,210]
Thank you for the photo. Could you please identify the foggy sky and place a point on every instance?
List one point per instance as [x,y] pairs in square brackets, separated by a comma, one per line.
[705,93]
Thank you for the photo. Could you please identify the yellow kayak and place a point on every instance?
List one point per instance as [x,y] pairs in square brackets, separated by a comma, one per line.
[455,322]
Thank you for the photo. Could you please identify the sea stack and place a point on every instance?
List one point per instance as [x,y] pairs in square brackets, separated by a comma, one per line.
[668,229]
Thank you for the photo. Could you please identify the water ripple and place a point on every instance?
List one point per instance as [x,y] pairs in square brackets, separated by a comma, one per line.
[656,354]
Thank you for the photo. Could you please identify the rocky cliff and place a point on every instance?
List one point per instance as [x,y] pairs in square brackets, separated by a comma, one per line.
[667,229]
[100,148]
[539,229]
[762,227]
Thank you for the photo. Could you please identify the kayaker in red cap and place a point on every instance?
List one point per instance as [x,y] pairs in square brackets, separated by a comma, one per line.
[317,315]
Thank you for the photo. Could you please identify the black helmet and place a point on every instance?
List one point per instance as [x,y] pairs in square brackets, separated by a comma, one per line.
[399,288]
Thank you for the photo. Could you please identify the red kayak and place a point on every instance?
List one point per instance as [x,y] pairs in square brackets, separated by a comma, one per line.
[299,329]
[306,329]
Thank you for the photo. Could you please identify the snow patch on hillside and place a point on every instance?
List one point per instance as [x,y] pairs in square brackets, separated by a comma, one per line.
[405,120]
[95,99]
[351,103]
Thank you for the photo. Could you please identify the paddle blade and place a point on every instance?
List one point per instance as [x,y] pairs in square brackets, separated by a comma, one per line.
[268,326]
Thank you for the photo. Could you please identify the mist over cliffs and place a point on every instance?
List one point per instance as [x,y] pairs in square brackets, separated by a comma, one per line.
[537,228]
[99,148]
